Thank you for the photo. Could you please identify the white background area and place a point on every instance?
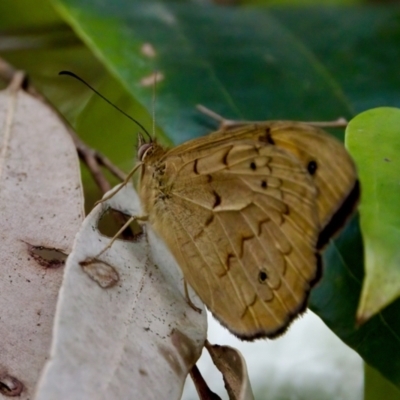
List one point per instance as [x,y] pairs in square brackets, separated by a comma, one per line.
[308,362]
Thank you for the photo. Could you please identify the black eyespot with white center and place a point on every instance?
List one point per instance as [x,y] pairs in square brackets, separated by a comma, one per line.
[262,276]
[312,167]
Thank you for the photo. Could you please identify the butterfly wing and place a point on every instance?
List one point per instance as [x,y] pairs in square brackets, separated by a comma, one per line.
[325,158]
[240,219]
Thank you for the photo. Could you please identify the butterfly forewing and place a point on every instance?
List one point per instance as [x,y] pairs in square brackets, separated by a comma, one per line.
[328,163]
[240,217]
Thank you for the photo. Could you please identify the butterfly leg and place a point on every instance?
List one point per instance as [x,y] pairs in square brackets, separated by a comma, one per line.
[197,309]
[126,181]
[127,223]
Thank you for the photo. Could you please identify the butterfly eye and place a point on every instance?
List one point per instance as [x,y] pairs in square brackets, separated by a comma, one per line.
[143,150]
[312,167]
[262,277]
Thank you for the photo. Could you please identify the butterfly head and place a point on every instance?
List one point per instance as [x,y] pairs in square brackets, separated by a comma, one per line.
[143,147]
[148,150]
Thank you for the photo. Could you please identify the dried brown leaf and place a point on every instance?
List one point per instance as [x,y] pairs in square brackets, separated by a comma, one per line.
[232,365]
[41,207]
[136,338]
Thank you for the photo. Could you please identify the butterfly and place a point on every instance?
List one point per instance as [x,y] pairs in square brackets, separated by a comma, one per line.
[246,211]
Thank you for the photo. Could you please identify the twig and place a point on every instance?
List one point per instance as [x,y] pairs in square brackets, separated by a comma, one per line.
[92,158]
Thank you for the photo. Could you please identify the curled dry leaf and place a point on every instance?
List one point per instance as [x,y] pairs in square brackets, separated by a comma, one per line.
[204,392]
[134,338]
[234,371]
[41,208]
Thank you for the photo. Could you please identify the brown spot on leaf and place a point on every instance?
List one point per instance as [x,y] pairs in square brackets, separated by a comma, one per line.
[102,273]
[112,220]
[171,359]
[10,386]
[186,347]
[151,79]
[148,50]
[47,257]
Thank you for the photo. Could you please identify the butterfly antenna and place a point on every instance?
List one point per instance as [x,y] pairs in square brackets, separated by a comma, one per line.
[154,103]
[69,73]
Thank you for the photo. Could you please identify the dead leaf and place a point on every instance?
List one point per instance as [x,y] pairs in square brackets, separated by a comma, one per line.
[41,208]
[135,339]
[232,365]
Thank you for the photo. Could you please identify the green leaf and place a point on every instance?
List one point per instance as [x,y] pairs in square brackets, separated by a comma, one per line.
[248,67]
[377,387]
[373,140]
[336,299]
[356,45]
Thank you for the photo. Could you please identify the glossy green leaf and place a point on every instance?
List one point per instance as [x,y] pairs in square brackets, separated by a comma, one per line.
[373,140]
[356,45]
[248,67]
[377,387]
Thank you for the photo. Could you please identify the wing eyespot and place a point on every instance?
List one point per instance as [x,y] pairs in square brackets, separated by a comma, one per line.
[312,167]
[253,166]
[264,184]
[262,277]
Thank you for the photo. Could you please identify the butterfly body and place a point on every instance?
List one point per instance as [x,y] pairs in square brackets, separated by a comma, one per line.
[241,210]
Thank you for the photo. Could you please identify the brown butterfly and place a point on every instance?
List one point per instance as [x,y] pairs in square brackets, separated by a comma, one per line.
[245,211]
